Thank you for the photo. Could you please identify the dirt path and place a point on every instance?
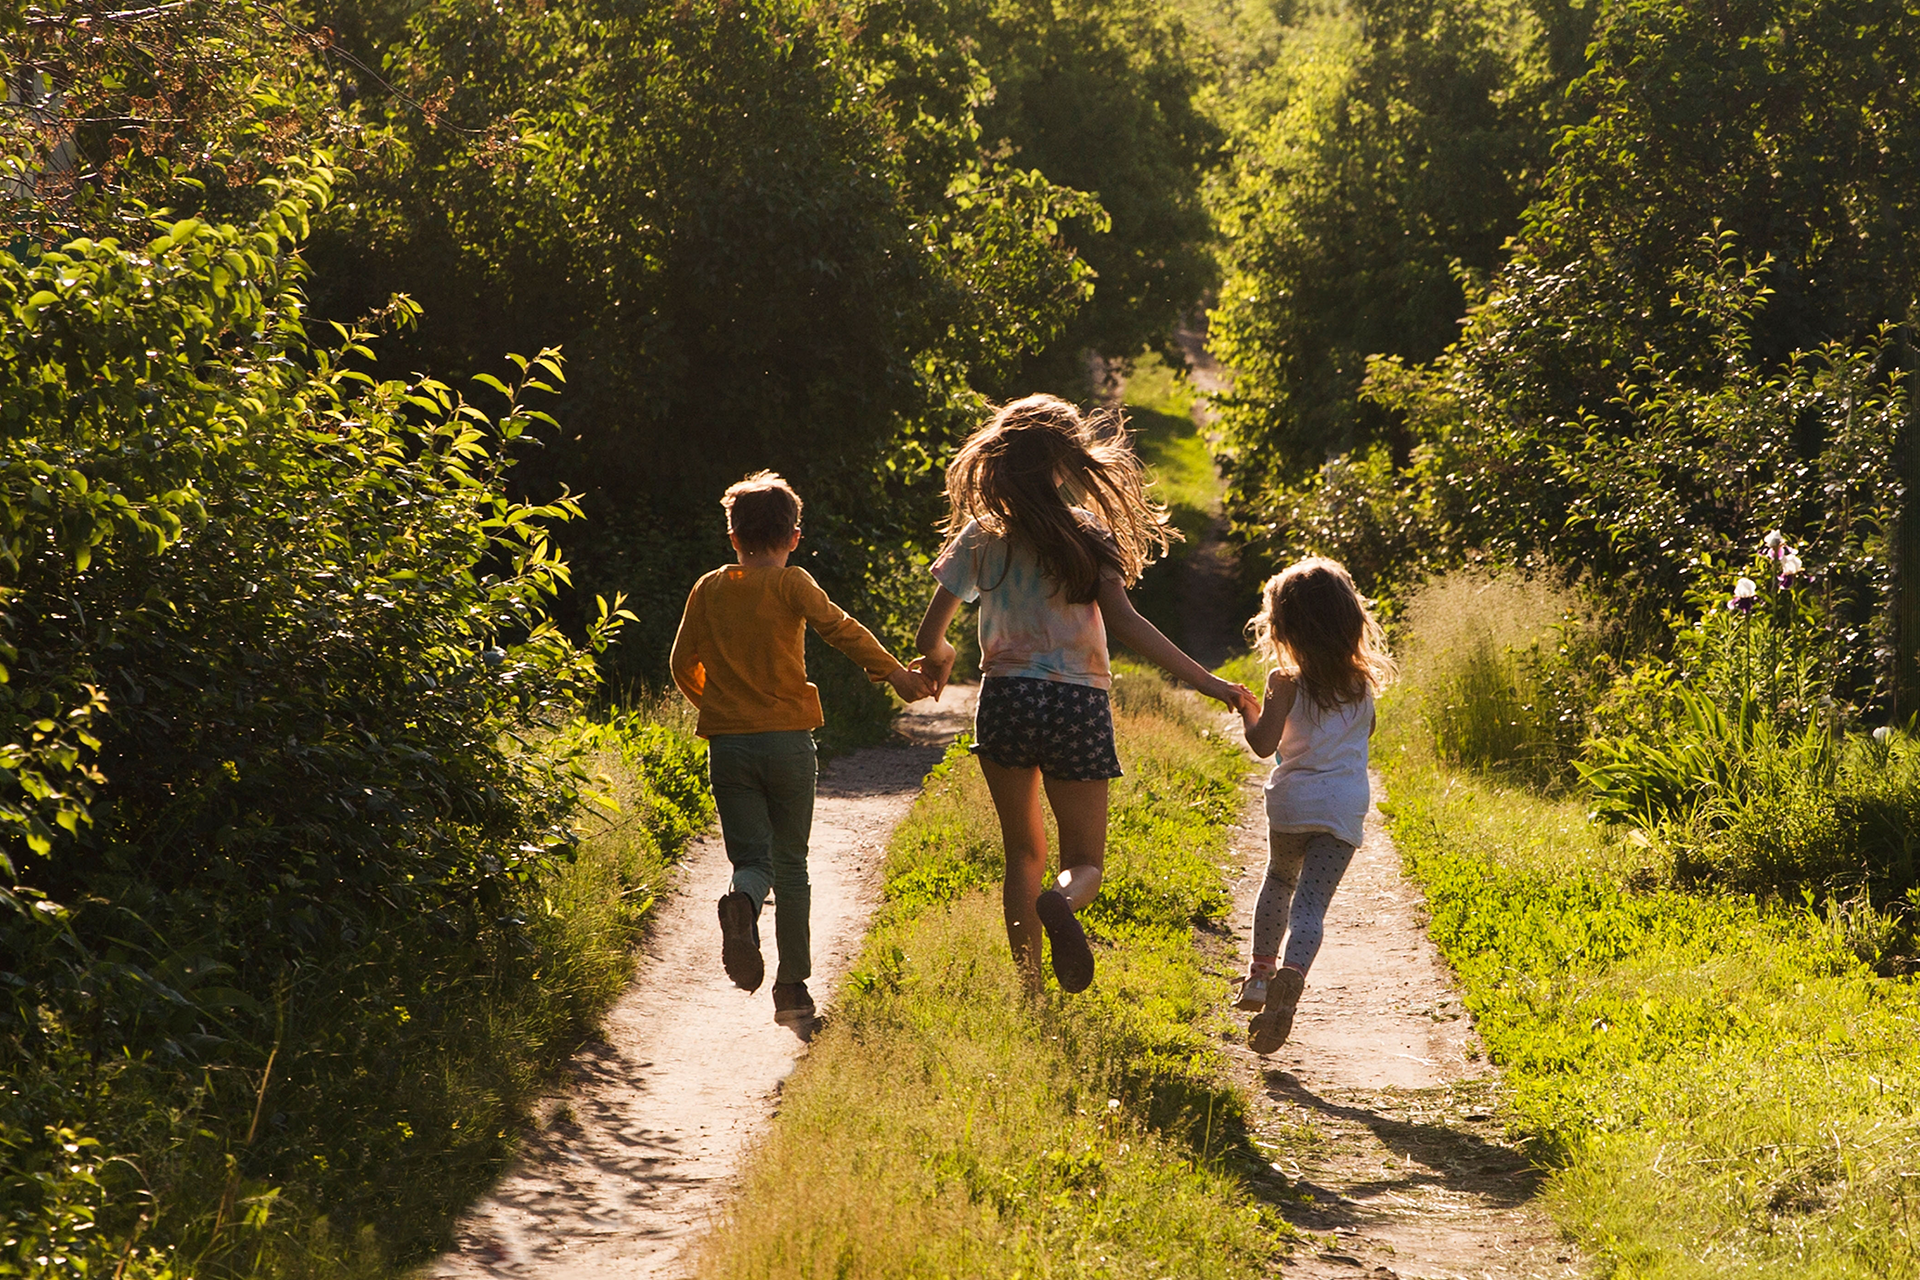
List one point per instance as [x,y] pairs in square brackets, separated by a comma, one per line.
[634,1162]
[1383,1084]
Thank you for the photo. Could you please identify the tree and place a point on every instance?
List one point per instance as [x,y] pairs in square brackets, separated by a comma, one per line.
[183,104]
[1378,167]
[1105,98]
[764,233]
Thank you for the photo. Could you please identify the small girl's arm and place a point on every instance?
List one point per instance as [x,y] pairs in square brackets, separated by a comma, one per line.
[937,654]
[1263,735]
[1125,624]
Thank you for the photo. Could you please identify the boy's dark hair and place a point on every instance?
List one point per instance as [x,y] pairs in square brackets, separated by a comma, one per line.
[762,511]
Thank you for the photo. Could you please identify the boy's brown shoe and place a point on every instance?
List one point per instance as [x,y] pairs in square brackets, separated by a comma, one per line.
[740,941]
[1270,1027]
[791,1004]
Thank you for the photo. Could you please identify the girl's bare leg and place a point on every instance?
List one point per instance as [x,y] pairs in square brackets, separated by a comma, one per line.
[1023,830]
[1080,809]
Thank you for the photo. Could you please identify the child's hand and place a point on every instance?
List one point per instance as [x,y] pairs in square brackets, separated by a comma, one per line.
[1237,696]
[910,684]
[1250,714]
[936,665]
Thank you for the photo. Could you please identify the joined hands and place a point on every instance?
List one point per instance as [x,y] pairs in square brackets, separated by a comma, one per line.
[912,684]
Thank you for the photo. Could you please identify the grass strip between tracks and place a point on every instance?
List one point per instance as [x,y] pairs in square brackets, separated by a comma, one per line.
[943,1125]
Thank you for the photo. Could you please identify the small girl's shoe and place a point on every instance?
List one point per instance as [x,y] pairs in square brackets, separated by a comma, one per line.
[1253,993]
[1270,1027]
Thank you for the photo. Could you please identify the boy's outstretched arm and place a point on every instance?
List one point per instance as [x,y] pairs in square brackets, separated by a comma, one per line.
[839,629]
[1125,624]
[937,654]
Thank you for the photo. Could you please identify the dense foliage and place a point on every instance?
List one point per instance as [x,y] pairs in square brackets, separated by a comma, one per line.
[186,105]
[270,628]
[1695,336]
[1379,162]
[765,235]
[1106,98]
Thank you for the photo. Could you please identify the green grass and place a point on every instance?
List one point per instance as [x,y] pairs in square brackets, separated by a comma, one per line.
[1179,462]
[944,1125]
[1721,1086]
[1160,403]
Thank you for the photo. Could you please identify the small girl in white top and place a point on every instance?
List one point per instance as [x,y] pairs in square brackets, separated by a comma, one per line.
[1330,660]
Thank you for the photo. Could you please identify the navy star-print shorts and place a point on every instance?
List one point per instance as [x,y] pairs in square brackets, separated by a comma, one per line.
[1064,730]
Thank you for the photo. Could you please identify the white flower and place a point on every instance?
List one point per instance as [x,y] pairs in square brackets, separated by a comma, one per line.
[1774,540]
[1883,734]
[1745,589]
[1791,564]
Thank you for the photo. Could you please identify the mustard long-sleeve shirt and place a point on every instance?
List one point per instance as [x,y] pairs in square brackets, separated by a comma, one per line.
[740,655]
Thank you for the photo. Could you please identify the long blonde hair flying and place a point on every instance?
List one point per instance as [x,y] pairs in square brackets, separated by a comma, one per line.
[1021,474]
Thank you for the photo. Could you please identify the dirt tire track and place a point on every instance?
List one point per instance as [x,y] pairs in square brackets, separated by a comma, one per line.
[638,1157]
[1383,1084]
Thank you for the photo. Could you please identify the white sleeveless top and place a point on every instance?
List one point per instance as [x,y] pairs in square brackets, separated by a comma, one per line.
[1319,779]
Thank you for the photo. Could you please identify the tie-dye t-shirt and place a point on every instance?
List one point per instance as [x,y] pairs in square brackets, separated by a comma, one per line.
[1027,626]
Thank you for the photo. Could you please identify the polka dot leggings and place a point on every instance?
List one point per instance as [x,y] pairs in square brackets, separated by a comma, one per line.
[1303,870]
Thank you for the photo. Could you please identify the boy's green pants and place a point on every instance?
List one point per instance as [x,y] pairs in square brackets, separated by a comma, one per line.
[763,787]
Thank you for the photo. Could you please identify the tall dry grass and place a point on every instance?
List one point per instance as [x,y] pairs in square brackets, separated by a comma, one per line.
[1495,663]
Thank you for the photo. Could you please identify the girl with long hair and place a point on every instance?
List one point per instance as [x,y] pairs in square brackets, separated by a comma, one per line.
[1049,523]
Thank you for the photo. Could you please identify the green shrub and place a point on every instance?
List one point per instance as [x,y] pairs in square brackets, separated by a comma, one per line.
[1734,754]
[281,771]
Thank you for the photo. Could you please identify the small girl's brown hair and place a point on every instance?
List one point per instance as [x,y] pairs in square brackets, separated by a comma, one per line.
[762,511]
[1009,476]
[1318,629]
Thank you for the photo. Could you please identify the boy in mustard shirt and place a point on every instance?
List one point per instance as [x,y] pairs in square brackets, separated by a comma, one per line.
[740,658]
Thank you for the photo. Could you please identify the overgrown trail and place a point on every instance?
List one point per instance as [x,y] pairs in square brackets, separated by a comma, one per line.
[1382,1085]
[632,1163]
[1210,605]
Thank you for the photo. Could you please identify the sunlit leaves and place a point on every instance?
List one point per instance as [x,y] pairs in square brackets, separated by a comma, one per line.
[249,593]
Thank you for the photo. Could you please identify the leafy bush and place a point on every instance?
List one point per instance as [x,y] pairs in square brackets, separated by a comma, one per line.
[186,105]
[1736,754]
[274,642]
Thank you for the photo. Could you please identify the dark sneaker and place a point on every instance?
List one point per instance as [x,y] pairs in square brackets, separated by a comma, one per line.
[740,941]
[792,1005]
[1072,957]
[1270,1027]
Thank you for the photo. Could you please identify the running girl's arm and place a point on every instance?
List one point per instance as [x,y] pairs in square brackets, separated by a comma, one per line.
[1263,735]
[937,655]
[1125,624]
